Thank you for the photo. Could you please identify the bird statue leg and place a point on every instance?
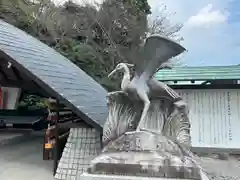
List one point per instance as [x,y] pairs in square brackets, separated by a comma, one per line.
[144,97]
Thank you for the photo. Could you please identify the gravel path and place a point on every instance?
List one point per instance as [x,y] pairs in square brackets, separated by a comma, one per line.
[23,160]
[221,169]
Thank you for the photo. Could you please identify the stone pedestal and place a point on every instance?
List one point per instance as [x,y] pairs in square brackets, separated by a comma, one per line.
[142,154]
[86,176]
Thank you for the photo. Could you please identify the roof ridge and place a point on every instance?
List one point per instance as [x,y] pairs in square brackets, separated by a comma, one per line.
[238,65]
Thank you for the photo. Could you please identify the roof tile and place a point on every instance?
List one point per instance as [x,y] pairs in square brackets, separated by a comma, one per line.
[56,74]
[199,73]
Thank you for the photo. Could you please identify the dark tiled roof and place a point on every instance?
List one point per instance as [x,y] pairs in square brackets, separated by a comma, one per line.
[55,73]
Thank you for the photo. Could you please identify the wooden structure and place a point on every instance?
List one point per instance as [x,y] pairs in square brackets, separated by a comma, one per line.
[34,67]
[213,96]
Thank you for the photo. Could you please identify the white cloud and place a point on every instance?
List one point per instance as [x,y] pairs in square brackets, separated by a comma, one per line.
[207,16]
[209,36]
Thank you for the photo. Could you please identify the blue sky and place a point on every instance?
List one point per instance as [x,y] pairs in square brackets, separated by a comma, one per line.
[211,29]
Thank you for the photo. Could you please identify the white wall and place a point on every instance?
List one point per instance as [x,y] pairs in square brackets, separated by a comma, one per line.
[214,116]
[11,97]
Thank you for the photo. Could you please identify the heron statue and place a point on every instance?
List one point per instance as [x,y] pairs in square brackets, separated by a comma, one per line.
[148,122]
[155,53]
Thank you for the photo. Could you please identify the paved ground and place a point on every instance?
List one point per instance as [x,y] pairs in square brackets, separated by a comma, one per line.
[22,160]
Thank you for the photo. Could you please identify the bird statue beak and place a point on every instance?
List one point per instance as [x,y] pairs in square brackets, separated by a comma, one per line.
[114,71]
[129,65]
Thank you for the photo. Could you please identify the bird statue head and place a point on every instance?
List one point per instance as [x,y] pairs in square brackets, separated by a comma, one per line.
[121,67]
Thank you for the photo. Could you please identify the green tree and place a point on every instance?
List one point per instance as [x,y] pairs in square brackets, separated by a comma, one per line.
[94,38]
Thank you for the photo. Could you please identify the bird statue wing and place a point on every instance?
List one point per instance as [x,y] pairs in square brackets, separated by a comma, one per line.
[156,51]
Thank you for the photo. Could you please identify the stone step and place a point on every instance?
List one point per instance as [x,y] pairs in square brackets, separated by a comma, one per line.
[86,176]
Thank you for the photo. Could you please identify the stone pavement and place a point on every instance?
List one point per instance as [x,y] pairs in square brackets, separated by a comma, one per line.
[21,159]
[82,146]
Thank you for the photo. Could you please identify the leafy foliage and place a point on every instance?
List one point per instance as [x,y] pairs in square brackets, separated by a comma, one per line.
[31,102]
[94,38]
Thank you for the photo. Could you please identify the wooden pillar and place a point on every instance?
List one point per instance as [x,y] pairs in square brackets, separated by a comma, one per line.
[49,138]
[56,153]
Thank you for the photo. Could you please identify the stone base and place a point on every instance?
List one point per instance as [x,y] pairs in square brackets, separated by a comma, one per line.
[86,176]
[144,154]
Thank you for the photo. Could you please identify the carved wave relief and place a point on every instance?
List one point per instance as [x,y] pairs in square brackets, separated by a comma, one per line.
[163,117]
